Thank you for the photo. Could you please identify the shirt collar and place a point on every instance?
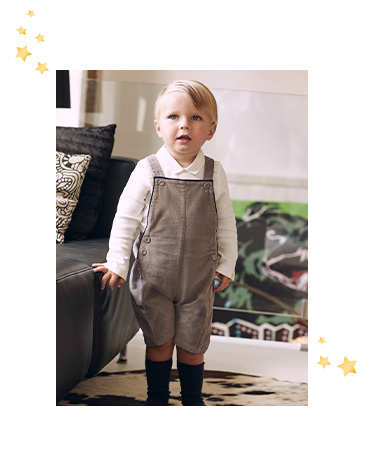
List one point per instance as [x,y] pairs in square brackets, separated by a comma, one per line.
[194,168]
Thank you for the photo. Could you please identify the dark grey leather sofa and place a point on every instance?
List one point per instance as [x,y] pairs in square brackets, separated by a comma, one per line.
[92,326]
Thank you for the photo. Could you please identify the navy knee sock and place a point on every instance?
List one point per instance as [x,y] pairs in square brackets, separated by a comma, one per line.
[191,378]
[158,376]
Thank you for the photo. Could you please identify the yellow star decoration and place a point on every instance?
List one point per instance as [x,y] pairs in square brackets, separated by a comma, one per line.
[23,53]
[22,30]
[347,366]
[321,340]
[40,38]
[30,13]
[42,68]
[323,361]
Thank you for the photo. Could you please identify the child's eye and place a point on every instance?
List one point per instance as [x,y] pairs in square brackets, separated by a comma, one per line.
[173,117]
[196,118]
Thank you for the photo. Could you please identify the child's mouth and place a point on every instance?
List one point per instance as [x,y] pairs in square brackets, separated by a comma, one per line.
[184,138]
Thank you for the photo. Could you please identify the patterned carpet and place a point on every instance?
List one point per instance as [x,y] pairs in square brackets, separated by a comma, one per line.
[128,388]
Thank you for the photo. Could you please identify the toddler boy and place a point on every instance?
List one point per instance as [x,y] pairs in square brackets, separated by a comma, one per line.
[177,210]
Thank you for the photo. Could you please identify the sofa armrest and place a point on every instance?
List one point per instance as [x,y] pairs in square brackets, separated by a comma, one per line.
[74,322]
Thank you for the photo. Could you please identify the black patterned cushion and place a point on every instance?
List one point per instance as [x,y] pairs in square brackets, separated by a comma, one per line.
[98,143]
[70,173]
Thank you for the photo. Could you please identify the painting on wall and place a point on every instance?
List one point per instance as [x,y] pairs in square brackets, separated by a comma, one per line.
[266,299]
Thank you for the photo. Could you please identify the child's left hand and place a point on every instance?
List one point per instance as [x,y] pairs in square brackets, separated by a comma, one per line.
[224,281]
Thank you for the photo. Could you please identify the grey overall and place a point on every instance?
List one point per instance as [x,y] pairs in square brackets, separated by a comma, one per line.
[172,279]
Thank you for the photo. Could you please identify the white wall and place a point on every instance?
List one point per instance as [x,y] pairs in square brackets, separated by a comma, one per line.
[261,139]
[283,82]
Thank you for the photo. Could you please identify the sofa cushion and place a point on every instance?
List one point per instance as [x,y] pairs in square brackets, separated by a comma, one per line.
[98,143]
[119,172]
[87,251]
[70,173]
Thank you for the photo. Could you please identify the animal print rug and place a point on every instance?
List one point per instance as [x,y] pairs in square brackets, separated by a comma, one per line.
[128,388]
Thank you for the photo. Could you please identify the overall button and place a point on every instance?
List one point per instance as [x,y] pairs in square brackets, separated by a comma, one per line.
[147,239]
[207,186]
[144,251]
[214,257]
[161,183]
[213,246]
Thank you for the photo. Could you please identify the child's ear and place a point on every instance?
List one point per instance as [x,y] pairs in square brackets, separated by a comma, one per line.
[157,126]
[212,131]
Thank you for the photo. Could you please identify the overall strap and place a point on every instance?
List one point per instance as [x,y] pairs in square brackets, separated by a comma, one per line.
[209,168]
[155,166]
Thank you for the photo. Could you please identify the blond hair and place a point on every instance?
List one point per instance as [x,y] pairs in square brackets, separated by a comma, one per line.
[197,92]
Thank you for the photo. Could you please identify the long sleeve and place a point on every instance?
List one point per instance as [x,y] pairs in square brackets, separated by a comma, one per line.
[227,230]
[128,219]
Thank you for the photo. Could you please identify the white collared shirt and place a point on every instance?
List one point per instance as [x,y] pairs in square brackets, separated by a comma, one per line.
[133,206]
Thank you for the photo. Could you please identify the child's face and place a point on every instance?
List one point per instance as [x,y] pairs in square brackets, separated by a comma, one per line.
[183,128]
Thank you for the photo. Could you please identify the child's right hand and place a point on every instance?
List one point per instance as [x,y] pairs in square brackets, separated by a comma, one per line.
[108,276]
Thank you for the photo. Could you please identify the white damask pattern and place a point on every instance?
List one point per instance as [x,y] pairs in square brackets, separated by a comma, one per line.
[70,173]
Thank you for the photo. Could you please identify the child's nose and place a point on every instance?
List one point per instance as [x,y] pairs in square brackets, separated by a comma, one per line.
[184,123]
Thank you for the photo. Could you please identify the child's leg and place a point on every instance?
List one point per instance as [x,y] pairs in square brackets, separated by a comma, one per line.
[189,358]
[158,365]
[191,375]
[161,353]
